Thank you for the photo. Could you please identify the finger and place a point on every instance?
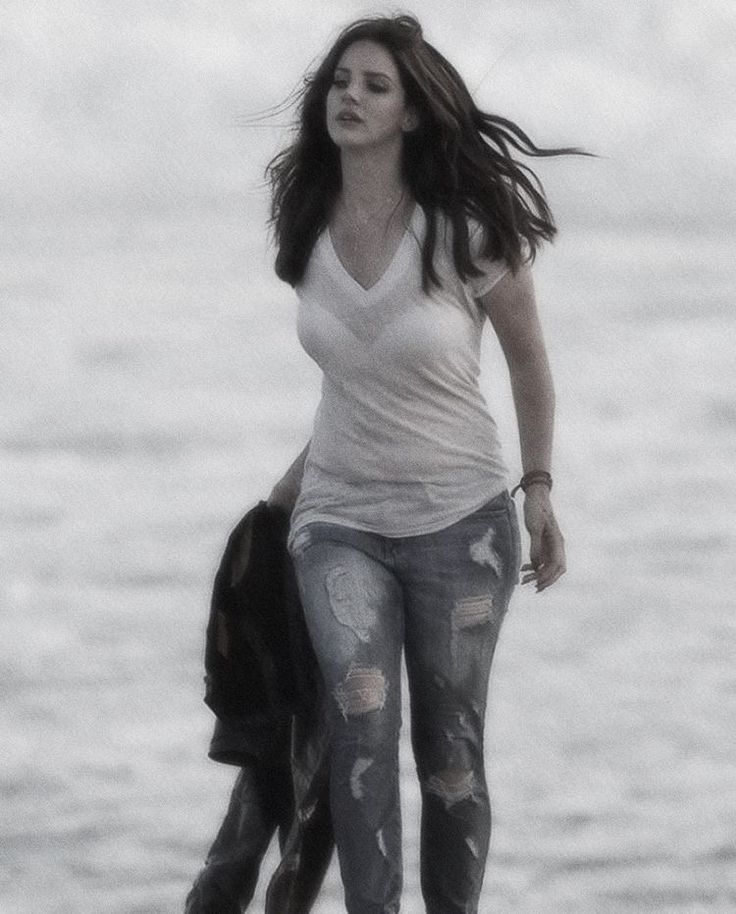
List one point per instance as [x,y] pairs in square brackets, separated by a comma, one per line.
[531,573]
[546,572]
[549,574]
[553,565]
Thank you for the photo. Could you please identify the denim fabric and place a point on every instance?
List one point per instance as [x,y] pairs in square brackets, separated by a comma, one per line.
[441,597]
[261,802]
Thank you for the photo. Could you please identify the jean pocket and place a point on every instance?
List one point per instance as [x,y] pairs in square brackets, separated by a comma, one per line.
[496,507]
[493,534]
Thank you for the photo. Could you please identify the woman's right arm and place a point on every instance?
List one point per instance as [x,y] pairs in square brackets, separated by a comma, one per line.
[284,494]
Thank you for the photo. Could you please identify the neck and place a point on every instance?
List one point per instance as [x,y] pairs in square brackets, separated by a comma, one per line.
[370,181]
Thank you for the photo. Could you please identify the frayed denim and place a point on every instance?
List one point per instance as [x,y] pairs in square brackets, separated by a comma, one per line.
[441,597]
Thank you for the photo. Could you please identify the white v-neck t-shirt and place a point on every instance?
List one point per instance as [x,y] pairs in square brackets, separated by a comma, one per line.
[403,442]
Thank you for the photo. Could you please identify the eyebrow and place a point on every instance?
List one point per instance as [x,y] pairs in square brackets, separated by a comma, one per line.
[372,73]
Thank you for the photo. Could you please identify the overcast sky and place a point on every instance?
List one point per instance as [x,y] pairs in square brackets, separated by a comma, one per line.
[107,103]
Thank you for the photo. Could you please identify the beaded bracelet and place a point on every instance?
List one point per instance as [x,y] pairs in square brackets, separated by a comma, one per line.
[530,479]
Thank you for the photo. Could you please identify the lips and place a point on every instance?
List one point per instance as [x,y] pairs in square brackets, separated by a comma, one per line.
[349,117]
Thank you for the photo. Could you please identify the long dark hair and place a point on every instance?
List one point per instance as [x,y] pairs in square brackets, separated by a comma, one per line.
[457,161]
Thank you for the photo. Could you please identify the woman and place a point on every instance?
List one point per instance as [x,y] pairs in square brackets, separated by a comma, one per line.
[403,222]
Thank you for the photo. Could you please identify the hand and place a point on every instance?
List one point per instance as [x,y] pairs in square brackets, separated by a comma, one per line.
[547,546]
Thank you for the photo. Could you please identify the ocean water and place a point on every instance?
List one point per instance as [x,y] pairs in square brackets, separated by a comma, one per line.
[152,390]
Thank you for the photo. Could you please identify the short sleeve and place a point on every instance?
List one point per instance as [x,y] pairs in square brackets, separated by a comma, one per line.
[492,271]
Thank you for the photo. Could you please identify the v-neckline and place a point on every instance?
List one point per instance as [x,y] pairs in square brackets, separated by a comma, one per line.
[368,290]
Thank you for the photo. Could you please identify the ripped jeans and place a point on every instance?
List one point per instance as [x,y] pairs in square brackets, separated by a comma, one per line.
[442,598]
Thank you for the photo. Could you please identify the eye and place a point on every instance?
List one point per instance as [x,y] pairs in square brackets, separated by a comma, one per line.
[379,88]
[339,81]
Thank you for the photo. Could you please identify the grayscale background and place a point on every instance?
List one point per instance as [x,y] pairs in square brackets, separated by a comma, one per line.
[152,389]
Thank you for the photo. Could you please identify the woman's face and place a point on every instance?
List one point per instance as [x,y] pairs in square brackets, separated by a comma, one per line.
[366,104]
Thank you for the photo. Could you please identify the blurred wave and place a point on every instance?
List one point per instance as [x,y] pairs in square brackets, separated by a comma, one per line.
[152,389]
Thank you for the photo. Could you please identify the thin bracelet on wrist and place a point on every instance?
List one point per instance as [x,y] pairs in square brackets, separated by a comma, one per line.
[533,477]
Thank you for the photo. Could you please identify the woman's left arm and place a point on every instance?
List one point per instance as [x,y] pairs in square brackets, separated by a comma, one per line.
[511,308]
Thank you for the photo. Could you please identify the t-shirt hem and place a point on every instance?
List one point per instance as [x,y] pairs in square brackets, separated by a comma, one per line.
[434,526]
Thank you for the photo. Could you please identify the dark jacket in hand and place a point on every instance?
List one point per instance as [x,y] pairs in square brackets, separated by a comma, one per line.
[263,685]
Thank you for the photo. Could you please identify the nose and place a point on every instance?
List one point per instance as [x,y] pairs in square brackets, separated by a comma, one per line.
[350,93]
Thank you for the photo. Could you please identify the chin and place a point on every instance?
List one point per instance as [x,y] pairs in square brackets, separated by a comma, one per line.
[345,138]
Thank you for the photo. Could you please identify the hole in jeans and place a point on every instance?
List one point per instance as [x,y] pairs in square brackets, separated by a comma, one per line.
[473,611]
[452,786]
[363,690]
[356,777]
[483,553]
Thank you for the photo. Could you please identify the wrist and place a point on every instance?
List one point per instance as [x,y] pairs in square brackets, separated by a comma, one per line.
[537,490]
[532,481]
